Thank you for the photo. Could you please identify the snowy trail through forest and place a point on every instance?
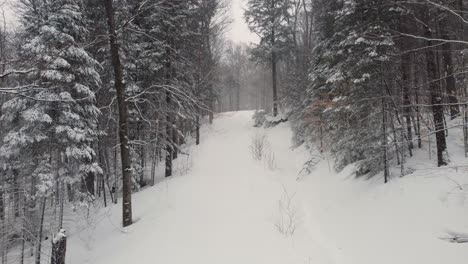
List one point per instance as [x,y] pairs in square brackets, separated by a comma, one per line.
[224,210]
[225,207]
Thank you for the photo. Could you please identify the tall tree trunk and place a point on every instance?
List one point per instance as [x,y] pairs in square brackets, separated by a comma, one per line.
[211,104]
[416,96]
[2,200]
[450,79]
[197,130]
[461,7]
[405,67]
[238,90]
[175,138]
[39,235]
[169,150]
[274,77]
[436,99]
[62,202]
[449,70]
[23,231]
[169,128]
[384,141]
[123,118]
[16,195]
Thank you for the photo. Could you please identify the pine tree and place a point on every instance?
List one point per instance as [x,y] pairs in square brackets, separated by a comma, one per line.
[54,124]
[354,44]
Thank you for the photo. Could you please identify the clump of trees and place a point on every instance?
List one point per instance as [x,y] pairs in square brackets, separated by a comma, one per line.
[370,80]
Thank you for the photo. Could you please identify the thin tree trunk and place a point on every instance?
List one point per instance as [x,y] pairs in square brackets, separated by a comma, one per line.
[2,200]
[123,118]
[197,129]
[406,60]
[211,104]
[169,123]
[418,121]
[464,91]
[104,190]
[62,201]
[175,138]
[273,68]
[448,67]
[116,200]
[384,141]
[395,141]
[39,236]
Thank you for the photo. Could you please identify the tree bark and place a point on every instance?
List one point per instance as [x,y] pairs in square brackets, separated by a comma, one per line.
[405,67]
[123,118]
[448,67]
[436,99]
[175,138]
[59,248]
[169,129]
[384,141]
[197,130]
[450,79]
[39,236]
[273,65]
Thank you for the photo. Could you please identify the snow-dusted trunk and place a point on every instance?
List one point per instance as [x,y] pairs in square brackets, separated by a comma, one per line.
[123,117]
[59,248]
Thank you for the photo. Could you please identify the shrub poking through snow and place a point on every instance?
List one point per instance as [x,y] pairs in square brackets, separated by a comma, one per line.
[286,220]
[269,159]
[258,146]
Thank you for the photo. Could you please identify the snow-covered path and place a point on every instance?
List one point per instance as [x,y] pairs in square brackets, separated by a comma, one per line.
[223,211]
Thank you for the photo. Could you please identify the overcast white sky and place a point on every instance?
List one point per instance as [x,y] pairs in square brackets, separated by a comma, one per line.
[6,6]
[238,31]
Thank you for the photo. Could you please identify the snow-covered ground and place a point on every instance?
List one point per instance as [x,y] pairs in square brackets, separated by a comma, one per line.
[229,208]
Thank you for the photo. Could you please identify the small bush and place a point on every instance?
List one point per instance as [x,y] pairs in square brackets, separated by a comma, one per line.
[287,218]
[258,146]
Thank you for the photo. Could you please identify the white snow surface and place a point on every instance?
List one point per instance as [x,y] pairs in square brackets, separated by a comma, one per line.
[225,210]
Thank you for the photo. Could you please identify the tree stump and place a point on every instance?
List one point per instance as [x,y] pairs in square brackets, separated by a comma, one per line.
[59,247]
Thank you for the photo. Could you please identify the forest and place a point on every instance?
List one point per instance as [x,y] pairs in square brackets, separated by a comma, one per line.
[103,99]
